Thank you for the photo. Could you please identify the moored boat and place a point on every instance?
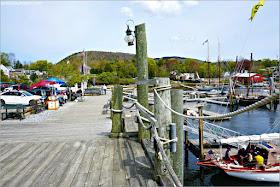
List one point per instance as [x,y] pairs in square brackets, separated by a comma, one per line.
[267,172]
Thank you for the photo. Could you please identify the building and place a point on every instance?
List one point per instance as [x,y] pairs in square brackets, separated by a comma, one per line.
[86,69]
[243,77]
[5,70]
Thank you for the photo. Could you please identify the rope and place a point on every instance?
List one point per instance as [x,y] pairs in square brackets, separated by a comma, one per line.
[141,122]
[118,111]
[248,108]
[167,140]
[128,107]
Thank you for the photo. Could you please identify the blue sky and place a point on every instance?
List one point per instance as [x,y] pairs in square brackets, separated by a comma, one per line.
[52,30]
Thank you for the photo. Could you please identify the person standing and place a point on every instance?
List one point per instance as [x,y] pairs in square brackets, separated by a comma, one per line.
[104,88]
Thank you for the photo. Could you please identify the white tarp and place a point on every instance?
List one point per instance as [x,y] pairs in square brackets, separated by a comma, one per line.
[241,139]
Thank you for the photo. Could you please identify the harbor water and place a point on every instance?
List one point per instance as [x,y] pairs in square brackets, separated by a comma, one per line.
[257,121]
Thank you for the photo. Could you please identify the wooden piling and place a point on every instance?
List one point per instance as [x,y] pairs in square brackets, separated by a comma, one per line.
[201,155]
[178,160]
[117,105]
[112,101]
[163,117]
[142,74]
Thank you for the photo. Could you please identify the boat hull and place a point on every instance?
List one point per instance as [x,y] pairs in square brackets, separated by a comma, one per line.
[264,177]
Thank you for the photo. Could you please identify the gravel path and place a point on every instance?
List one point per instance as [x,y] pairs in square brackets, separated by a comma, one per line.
[40,117]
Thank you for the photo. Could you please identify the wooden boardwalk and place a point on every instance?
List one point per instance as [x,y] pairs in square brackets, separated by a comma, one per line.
[71,150]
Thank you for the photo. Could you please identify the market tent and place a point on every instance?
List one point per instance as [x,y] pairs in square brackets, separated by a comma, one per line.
[41,84]
[55,80]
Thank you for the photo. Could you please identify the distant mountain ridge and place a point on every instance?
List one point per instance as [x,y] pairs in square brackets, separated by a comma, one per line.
[113,56]
[182,59]
[100,55]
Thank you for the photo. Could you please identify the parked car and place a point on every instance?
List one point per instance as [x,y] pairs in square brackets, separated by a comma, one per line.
[17,87]
[43,91]
[19,97]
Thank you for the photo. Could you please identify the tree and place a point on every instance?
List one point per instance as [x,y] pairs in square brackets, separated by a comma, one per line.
[18,65]
[152,66]
[105,77]
[4,77]
[5,59]
[33,77]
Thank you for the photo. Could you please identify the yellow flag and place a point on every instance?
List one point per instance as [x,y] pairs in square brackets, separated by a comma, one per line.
[255,9]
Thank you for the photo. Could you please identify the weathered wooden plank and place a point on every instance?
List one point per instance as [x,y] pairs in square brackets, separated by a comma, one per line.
[130,167]
[119,178]
[64,164]
[75,164]
[79,179]
[48,171]
[11,151]
[107,167]
[95,168]
[117,162]
[35,172]
[18,161]
[13,177]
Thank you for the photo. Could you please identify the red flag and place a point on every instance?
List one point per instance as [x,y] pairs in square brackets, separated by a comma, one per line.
[82,54]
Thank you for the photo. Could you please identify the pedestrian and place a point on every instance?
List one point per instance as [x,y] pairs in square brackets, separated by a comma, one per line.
[104,88]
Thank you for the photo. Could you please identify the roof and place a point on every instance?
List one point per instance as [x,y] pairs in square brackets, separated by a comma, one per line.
[246,74]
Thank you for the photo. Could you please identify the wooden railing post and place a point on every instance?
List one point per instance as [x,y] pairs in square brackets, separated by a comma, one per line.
[163,117]
[117,105]
[178,159]
[142,74]
[201,155]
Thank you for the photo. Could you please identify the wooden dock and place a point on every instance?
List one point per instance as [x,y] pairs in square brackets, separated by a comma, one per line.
[194,148]
[72,148]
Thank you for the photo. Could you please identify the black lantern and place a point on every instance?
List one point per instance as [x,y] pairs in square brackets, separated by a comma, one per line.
[129,38]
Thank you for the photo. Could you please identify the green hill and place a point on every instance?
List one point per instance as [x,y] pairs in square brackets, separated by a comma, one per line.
[99,55]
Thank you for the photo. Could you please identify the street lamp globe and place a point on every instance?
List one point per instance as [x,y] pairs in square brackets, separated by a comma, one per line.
[129,38]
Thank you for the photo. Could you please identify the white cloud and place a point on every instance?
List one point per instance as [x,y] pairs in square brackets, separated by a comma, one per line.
[166,8]
[127,11]
[190,3]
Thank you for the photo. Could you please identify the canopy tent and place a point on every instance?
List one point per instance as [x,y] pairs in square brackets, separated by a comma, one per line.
[55,80]
[41,84]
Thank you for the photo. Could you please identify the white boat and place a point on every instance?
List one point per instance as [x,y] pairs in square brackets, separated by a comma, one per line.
[269,172]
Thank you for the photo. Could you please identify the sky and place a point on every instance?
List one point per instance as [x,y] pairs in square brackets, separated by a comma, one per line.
[52,30]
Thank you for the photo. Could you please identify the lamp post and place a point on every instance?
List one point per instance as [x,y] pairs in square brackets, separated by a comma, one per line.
[142,69]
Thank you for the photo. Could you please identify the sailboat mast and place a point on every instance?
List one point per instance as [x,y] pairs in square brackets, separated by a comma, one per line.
[219,61]
[208,62]
[249,75]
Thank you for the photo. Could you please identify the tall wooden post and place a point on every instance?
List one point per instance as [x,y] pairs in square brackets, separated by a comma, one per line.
[163,117]
[142,74]
[112,101]
[117,105]
[201,156]
[178,160]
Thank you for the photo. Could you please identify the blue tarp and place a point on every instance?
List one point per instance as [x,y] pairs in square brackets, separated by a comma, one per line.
[55,80]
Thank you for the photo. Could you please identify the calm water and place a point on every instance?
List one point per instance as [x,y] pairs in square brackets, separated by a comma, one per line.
[257,121]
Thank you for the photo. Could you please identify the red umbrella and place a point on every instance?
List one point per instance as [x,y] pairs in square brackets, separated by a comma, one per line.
[41,84]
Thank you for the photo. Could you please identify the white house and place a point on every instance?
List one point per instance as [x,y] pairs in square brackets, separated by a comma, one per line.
[5,70]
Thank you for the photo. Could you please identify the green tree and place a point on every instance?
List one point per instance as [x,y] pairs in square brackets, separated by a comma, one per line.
[105,77]
[152,66]
[18,65]
[5,59]
[4,77]
[33,77]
